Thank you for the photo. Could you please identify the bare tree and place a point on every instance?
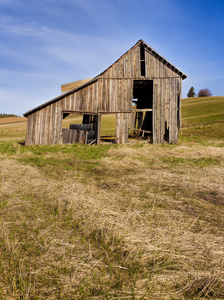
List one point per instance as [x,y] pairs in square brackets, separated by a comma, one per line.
[204,93]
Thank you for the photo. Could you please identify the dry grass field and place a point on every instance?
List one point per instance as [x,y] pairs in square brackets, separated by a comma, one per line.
[12,128]
[135,221]
[9,120]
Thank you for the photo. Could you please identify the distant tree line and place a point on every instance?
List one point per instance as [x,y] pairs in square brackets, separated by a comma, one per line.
[201,93]
[7,115]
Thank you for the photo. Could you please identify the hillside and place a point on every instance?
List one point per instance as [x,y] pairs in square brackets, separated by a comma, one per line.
[203,119]
[4,115]
[12,120]
[137,221]
[12,128]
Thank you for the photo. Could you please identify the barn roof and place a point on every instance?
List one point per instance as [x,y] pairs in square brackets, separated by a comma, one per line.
[73,85]
[59,97]
[77,85]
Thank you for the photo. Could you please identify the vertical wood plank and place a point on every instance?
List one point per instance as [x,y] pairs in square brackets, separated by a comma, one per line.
[43,126]
[28,129]
[175,109]
[162,124]
[51,125]
[36,129]
[171,128]
[155,99]
[98,128]
[117,136]
[47,125]
[134,61]
[167,101]
[60,119]
[180,102]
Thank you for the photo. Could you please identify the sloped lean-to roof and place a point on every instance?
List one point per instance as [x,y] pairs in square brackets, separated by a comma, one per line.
[60,97]
[73,85]
[77,85]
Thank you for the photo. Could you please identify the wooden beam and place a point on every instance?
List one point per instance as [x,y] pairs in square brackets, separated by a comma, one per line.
[95,113]
[142,110]
[98,129]
[146,131]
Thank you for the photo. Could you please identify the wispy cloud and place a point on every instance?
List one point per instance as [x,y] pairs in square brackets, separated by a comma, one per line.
[46,58]
[46,43]
[60,46]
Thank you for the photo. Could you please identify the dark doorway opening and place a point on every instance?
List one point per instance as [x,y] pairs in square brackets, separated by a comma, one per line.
[143,101]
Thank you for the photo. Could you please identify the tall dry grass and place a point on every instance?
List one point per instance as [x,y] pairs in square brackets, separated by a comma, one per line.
[144,222]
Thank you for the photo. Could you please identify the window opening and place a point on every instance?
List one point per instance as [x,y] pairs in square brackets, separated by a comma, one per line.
[142,59]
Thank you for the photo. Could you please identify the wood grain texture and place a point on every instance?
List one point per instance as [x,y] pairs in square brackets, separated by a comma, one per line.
[112,91]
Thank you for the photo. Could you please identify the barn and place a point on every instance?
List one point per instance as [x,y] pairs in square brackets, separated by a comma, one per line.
[142,88]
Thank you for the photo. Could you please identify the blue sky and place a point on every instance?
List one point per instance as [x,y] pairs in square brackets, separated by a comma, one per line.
[45,43]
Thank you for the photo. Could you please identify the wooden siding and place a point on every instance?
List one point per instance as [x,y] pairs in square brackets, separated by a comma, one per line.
[165,109]
[126,67]
[105,95]
[122,128]
[112,91]
[129,67]
[45,126]
[156,68]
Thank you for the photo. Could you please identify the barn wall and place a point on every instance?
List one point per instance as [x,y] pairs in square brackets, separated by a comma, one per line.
[129,67]
[112,91]
[105,95]
[45,126]
[126,67]
[165,109]
[156,68]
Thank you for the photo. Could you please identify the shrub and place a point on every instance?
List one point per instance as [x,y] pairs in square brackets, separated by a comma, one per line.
[204,93]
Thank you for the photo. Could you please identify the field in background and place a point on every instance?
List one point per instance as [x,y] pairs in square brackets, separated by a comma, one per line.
[203,119]
[10,120]
[108,122]
[13,128]
[137,221]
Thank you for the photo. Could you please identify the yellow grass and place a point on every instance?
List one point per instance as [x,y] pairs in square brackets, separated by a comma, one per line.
[146,222]
[136,221]
[9,120]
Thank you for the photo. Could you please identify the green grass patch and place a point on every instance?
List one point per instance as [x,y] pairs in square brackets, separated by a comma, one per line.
[82,152]
[203,120]
[196,162]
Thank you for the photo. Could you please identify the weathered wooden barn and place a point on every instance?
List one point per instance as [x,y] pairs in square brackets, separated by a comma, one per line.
[141,76]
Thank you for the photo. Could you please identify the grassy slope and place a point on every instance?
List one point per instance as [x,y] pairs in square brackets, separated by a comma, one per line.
[7,120]
[138,221]
[203,119]
[12,128]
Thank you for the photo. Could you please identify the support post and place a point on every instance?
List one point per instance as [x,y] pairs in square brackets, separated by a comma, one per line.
[121,128]
[98,128]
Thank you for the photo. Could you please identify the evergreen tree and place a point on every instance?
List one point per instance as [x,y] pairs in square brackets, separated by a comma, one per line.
[191,92]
